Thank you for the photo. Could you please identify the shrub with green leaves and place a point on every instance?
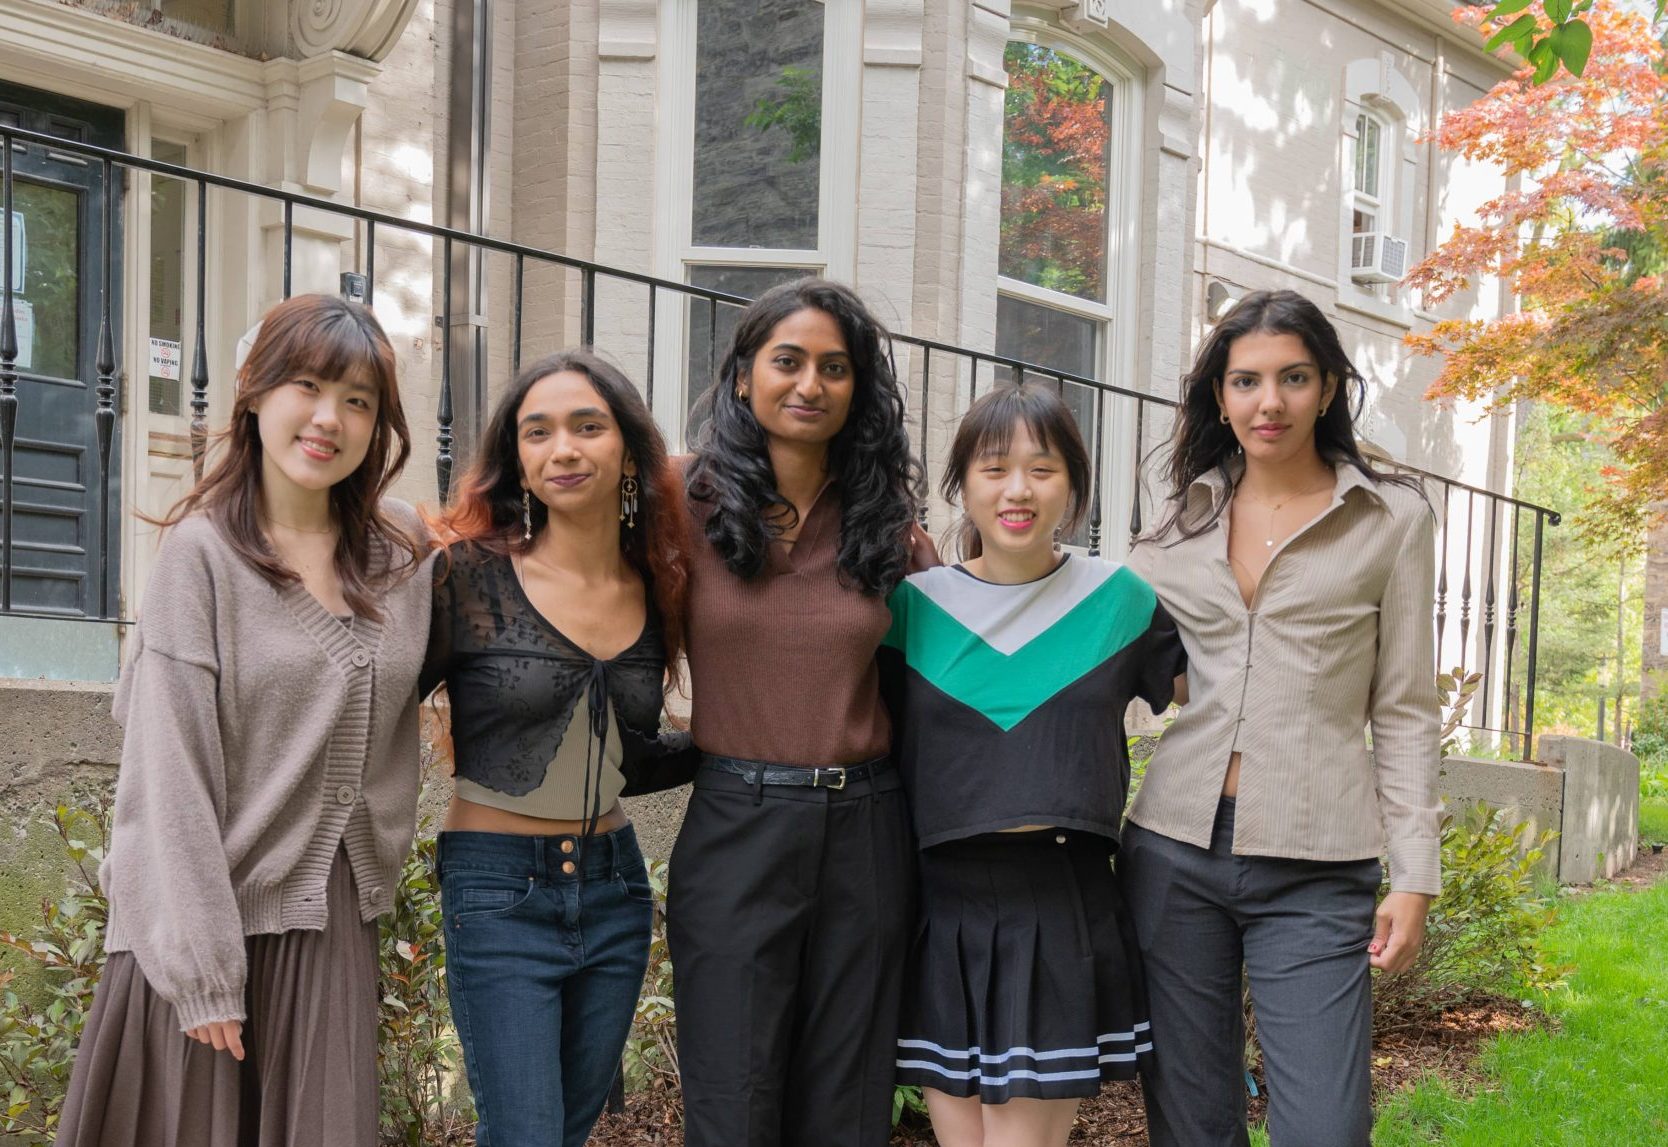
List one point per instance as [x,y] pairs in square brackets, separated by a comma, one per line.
[422,1103]
[651,1051]
[1650,742]
[1483,933]
[37,1044]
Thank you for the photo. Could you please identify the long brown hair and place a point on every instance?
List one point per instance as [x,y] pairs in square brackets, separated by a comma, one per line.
[325,338]
[486,511]
[1203,442]
[988,428]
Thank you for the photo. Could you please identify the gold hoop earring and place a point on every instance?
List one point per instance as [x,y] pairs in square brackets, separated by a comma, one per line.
[741,395]
[526,516]
[1224,418]
[628,501]
[1322,412]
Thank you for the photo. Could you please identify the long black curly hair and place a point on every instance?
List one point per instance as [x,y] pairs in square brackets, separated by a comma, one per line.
[1203,443]
[880,482]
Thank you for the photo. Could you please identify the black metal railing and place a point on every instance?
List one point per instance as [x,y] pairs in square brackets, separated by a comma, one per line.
[1123,425]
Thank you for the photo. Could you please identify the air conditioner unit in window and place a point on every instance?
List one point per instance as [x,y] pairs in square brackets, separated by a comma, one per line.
[1375,257]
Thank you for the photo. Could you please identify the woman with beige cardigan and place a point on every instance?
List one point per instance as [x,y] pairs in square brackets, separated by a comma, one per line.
[269,773]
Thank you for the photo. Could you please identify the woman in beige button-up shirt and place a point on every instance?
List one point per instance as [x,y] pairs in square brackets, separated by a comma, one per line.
[1301,580]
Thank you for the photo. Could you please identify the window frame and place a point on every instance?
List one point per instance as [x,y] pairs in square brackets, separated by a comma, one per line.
[1116,317]
[835,254]
[1375,91]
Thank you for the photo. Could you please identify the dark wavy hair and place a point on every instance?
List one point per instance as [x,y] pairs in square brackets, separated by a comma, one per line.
[880,482]
[325,338]
[486,511]
[988,428]
[1202,442]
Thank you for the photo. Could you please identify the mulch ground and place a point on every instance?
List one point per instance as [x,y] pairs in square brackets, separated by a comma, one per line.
[1446,1045]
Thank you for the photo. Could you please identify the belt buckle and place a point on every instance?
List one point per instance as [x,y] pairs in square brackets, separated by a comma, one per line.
[816,778]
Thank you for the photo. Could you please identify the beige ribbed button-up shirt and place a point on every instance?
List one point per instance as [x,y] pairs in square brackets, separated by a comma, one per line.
[1338,637]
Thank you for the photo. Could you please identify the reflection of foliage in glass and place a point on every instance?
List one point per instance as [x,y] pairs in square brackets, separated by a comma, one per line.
[797,110]
[50,284]
[1054,172]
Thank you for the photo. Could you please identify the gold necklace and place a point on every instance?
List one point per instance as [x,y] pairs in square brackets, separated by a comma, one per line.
[1276,507]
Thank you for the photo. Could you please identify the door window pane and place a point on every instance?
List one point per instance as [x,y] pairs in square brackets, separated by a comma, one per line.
[168,204]
[758,123]
[706,353]
[46,300]
[1056,162]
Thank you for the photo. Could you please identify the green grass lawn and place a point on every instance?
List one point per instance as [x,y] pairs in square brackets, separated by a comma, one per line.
[1601,1077]
[1653,821]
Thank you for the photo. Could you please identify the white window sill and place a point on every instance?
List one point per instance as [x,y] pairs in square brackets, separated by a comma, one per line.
[1352,298]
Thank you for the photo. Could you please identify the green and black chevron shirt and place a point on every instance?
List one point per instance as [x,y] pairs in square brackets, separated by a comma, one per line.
[1010,699]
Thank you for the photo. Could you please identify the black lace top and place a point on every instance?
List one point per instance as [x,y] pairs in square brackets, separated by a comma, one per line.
[515,682]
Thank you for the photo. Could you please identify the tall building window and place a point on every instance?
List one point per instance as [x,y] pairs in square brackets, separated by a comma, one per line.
[770,137]
[1381,115]
[1059,155]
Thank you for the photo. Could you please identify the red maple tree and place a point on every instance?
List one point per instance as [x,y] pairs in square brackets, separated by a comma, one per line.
[1581,237]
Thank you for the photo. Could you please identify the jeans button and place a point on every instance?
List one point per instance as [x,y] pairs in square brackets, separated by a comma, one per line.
[568,867]
[567,846]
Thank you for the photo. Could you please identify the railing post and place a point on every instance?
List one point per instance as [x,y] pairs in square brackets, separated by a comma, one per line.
[1135,492]
[289,243]
[1442,578]
[443,415]
[104,418]
[370,262]
[1511,628]
[1465,585]
[8,379]
[1534,639]
[648,381]
[1488,603]
[588,307]
[1099,475]
[926,474]
[199,351]
[515,315]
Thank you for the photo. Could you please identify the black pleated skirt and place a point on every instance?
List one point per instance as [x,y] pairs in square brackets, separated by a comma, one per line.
[1025,979]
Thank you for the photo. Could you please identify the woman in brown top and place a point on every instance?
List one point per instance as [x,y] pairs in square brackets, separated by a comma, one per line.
[1300,579]
[792,881]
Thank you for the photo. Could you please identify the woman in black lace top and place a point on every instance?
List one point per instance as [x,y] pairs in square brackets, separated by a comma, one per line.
[558,608]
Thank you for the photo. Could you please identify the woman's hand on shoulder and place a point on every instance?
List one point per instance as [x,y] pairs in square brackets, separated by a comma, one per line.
[225,1035]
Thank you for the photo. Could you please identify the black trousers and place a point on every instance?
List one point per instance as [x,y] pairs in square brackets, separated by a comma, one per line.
[788,920]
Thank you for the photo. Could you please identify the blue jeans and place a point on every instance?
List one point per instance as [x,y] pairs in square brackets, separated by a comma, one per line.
[543,970]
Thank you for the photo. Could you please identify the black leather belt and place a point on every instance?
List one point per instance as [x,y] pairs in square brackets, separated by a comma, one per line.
[818,777]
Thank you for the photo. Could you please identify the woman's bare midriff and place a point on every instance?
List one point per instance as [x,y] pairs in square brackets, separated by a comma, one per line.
[1230,783]
[467,816]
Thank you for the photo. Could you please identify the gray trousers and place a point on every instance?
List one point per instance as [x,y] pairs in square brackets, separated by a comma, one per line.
[1299,929]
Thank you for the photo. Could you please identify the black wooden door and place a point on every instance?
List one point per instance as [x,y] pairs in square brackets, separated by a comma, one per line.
[64,558]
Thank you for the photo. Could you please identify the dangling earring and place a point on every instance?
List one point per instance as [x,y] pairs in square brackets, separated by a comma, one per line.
[628,501]
[526,516]
[1056,539]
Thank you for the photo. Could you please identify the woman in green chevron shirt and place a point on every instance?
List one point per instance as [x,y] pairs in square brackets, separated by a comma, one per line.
[1011,673]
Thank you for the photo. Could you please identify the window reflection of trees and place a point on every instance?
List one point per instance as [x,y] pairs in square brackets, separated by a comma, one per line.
[1055,165]
[52,280]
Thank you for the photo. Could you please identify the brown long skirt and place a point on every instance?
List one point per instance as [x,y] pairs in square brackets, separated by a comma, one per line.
[309,1074]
